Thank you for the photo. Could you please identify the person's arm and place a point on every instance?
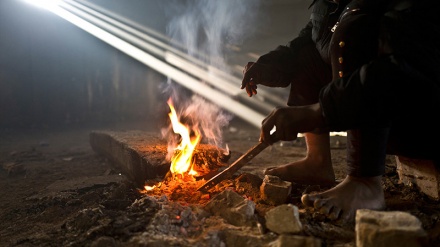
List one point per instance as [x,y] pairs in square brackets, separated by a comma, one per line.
[276,68]
[288,121]
[367,97]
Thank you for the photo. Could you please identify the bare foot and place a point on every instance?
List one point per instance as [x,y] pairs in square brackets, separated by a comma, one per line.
[342,201]
[306,171]
[315,169]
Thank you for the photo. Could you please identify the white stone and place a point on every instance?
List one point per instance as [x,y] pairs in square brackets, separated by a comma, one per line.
[295,241]
[424,174]
[384,229]
[233,208]
[284,219]
[274,190]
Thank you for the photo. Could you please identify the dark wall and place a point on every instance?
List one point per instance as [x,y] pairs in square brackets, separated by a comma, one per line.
[53,73]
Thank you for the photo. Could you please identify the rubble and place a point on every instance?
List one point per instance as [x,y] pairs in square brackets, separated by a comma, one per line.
[274,190]
[424,174]
[245,238]
[233,208]
[87,201]
[284,219]
[392,228]
[295,241]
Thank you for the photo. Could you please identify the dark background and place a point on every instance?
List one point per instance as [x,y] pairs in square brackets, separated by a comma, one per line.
[54,74]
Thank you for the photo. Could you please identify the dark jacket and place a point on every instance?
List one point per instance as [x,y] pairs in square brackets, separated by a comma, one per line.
[363,59]
[337,40]
[400,82]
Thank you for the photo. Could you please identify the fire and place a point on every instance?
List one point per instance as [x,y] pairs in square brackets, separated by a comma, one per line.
[181,160]
[148,188]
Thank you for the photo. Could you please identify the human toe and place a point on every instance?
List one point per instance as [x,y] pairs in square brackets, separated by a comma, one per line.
[309,199]
[335,213]
[325,209]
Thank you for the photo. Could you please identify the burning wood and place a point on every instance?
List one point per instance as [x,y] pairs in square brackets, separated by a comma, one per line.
[207,159]
[189,156]
[191,161]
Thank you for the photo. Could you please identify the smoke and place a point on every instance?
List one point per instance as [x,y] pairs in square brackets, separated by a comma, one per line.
[207,29]
[197,114]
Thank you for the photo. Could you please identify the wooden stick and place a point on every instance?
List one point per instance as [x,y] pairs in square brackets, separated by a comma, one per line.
[239,163]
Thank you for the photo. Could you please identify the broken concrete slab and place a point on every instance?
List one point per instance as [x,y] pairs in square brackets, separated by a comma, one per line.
[391,228]
[274,190]
[141,155]
[284,219]
[424,174]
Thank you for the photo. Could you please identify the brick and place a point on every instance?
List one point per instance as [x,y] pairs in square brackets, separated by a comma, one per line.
[422,173]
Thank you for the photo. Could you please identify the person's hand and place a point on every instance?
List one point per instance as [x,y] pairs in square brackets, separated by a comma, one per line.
[272,70]
[248,79]
[289,121]
[264,74]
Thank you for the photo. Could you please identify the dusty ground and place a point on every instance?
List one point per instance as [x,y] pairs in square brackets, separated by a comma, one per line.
[55,191]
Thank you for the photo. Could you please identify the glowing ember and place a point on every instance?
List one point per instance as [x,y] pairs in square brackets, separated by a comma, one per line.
[148,188]
[181,160]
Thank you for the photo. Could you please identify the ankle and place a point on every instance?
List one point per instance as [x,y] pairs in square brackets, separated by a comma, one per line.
[374,183]
[375,179]
[318,160]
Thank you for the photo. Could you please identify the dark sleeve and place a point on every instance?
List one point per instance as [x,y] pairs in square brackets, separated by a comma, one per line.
[285,54]
[304,38]
[284,57]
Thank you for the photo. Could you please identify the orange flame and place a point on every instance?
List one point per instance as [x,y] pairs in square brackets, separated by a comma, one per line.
[181,160]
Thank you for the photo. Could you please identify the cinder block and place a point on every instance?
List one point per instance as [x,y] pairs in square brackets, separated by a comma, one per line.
[422,173]
[141,155]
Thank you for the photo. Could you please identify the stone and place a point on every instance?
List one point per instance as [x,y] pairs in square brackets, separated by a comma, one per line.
[232,207]
[283,219]
[243,238]
[13,168]
[295,241]
[388,228]
[275,191]
[104,242]
[421,173]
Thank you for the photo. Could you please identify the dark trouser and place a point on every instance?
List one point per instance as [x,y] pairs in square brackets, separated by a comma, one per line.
[367,148]
[366,151]
[409,104]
